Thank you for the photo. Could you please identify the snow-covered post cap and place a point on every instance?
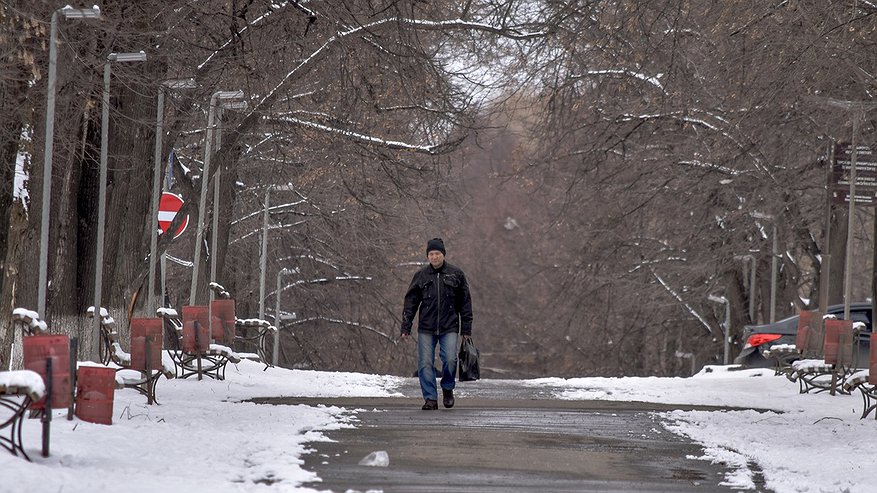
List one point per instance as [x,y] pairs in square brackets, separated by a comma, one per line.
[166,312]
[31,318]
[103,312]
[219,289]
[25,314]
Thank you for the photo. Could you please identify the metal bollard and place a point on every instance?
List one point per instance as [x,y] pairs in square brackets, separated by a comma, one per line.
[47,410]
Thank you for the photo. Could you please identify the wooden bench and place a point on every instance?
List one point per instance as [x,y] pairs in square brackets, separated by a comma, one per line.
[142,371]
[865,381]
[196,355]
[812,374]
[250,332]
[839,340]
[255,332]
[57,381]
[781,357]
[861,381]
[18,389]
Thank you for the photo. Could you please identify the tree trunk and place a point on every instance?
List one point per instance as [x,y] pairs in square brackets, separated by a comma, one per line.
[19,241]
[10,142]
[129,191]
[13,216]
[735,294]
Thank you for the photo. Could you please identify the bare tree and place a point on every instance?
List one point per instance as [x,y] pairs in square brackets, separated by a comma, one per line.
[355,106]
[670,128]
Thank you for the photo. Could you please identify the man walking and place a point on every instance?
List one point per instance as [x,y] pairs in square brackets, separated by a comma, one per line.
[441,294]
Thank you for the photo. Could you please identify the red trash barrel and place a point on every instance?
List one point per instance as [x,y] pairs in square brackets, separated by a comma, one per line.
[223,321]
[872,366]
[803,330]
[141,330]
[57,347]
[815,347]
[832,339]
[95,389]
[191,315]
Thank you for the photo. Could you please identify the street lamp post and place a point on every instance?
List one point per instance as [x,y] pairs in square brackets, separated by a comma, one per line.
[275,354]
[263,260]
[208,144]
[773,261]
[217,178]
[156,180]
[752,271]
[68,13]
[773,275]
[263,257]
[224,103]
[102,194]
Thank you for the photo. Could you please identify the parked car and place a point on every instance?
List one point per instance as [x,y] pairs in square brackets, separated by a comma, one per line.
[759,338]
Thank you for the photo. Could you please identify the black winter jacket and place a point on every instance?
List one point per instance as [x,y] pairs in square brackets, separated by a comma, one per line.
[442,296]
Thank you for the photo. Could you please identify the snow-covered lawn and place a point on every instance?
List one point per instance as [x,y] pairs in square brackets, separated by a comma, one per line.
[200,438]
[203,438]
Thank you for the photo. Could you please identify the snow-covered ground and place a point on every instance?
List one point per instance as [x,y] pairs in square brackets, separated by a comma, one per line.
[203,438]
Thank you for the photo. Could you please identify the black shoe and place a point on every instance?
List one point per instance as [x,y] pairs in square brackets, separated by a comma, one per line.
[430,405]
[448,397]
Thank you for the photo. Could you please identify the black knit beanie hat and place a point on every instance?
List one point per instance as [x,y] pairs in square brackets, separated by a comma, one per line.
[435,244]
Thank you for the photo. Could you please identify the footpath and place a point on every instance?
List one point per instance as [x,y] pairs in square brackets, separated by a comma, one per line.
[503,437]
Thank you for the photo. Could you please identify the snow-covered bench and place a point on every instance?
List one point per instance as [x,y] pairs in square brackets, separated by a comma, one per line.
[188,360]
[18,389]
[138,377]
[252,332]
[256,332]
[813,374]
[860,381]
[28,321]
[837,341]
[782,356]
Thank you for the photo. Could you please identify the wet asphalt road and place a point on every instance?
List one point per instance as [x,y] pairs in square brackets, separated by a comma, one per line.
[505,437]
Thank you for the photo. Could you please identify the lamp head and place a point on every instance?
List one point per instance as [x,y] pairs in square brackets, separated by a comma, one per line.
[70,13]
[127,57]
[235,105]
[180,83]
[228,94]
[717,299]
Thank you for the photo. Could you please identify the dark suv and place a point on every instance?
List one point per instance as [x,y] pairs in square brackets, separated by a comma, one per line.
[759,338]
